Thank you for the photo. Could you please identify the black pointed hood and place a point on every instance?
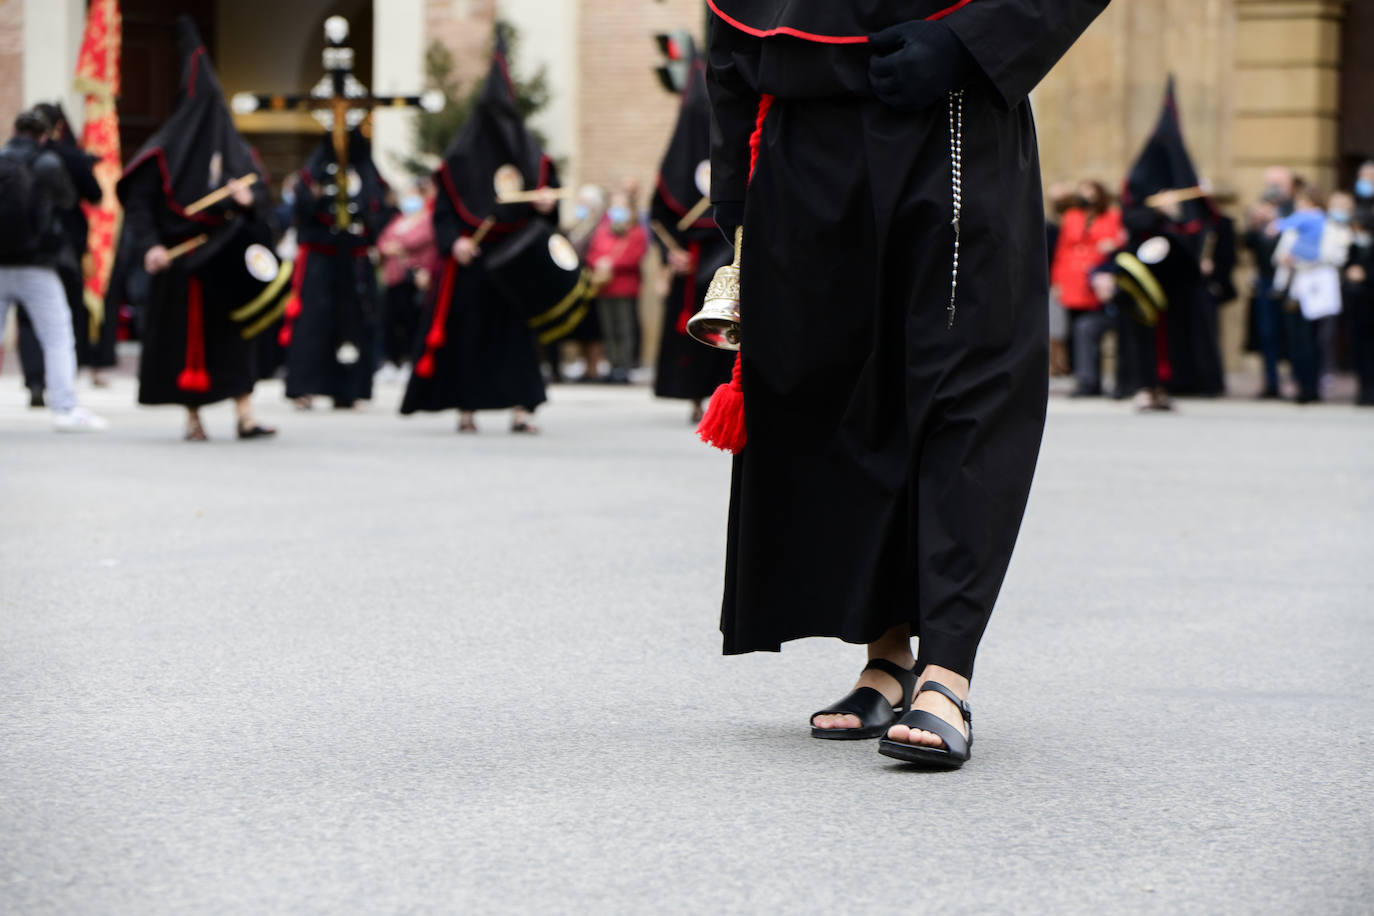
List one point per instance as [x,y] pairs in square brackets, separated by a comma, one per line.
[494,135]
[198,149]
[685,169]
[1164,164]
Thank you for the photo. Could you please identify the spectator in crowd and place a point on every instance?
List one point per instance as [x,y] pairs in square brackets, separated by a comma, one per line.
[34,188]
[1089,232]
[409,261]
[1265,320]
[588,210]
[616,250]
[1358,292]
[1309,258]
[1061,199]
[1364,196]
[1267,324]
[95,334]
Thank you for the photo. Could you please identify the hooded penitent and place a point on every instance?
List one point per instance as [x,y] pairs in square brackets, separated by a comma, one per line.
[477,352]
[686,368]
[1164,255]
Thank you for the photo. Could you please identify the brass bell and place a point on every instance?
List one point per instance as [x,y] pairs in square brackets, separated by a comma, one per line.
[717,324]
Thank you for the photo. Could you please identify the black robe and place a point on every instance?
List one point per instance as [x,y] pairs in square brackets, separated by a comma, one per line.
[889,454]
[193,353]
[336,302]
[688,369]
[475,352]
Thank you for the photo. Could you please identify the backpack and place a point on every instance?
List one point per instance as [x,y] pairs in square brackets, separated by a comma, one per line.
[21,228]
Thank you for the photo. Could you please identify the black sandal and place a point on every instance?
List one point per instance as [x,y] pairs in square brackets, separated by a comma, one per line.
[256,431]
[875,714]
[957,749]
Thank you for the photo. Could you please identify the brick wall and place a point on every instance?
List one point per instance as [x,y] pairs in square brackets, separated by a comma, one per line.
[11,63]
[464,27]
[625,116]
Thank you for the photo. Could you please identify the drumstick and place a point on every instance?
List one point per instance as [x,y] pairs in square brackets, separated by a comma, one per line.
[186,247]
[694,214]
[1163,198]
[214,197]
[483,229]
[525,197]
[668,241]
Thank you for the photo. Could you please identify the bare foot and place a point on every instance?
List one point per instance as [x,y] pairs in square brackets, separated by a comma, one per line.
[937,704]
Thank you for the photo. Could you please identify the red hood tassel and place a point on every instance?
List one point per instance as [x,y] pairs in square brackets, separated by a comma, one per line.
[195,377]
[723,425]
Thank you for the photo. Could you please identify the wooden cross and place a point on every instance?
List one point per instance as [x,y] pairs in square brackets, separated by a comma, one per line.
[339,102]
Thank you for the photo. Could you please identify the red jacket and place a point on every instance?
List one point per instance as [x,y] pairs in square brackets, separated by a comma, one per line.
[1082,246]
[625,252]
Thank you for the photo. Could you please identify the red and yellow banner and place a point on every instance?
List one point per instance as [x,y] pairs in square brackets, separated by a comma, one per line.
[97,75]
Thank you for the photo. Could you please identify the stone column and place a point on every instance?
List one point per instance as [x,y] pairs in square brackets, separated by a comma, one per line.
[398,68]
[1287,89]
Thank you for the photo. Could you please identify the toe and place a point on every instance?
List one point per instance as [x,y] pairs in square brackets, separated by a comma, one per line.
[900,733]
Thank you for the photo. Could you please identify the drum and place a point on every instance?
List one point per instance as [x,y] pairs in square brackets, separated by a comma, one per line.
[1146,275]
[249,275]
[538,273]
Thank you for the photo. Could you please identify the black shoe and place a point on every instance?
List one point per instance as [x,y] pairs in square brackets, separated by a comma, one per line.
[36,398]
[1086,393]
[957,749]
[256,431]
[875,714]
[1268,394]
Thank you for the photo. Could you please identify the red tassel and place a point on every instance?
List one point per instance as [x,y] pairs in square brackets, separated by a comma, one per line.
[425,367]
[436,337]
[293,307]
[195,377]
[723,425]
[284,336]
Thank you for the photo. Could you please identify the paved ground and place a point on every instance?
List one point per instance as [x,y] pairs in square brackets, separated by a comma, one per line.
[376,667]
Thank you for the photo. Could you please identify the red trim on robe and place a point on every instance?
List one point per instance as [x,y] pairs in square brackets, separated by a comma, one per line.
[812,36]
[689,289]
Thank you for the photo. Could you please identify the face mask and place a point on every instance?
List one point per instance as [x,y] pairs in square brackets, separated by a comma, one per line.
[1273,195]
[1339,216]
[580,212]
[412,203]
[1364,188]
[288,197]
[620,215]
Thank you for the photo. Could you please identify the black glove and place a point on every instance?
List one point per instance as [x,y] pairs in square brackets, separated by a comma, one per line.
[920,62]
[729,216]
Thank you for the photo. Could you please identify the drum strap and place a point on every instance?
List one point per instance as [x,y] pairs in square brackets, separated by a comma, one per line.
[195,376]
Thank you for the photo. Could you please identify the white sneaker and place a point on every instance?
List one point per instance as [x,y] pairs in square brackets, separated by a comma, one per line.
[77,420]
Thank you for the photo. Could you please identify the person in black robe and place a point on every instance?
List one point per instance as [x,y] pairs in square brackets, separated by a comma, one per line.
[893,418]
[333,320]
[476,352]
[686,369]
[94,339]
[1190,362]
[193,351]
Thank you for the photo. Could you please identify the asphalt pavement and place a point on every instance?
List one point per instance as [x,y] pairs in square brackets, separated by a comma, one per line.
[377,667]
